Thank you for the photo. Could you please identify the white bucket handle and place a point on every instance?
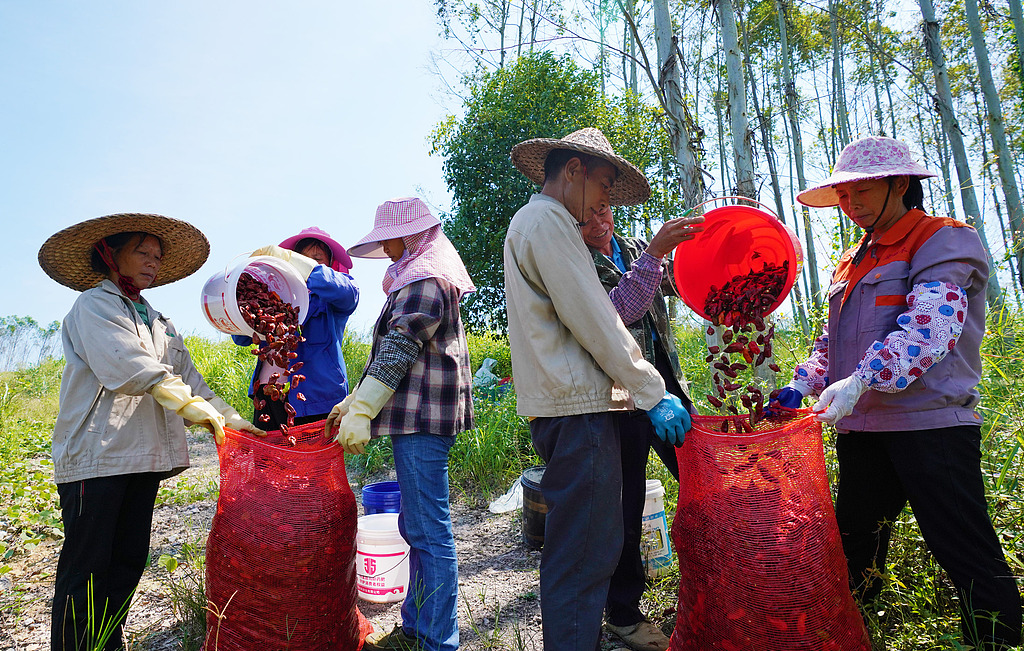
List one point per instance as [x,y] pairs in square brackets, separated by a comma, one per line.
[230,264]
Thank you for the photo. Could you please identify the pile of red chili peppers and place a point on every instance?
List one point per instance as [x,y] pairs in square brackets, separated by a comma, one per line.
[278,323]
[741,306]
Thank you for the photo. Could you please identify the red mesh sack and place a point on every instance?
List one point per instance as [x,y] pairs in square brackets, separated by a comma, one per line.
[760,560]
[280,558]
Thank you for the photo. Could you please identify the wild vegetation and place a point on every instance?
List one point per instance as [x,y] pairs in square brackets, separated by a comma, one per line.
[916,610]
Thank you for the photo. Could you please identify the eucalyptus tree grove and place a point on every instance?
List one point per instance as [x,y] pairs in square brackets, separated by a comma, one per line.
[759,97]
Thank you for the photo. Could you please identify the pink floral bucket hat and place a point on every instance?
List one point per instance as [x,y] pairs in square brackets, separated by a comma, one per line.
[340,260]
[395,218]
[874,157]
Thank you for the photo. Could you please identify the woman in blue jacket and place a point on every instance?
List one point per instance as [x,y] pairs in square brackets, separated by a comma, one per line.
[333,297]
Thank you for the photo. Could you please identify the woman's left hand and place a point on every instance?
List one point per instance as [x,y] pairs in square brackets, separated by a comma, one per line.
[838,400]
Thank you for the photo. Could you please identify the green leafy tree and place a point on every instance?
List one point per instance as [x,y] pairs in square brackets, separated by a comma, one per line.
[538,95]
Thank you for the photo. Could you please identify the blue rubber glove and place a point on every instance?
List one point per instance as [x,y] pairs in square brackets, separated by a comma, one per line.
[670,419]
[789,398]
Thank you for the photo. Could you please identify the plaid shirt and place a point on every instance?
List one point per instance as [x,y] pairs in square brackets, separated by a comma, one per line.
[419,350]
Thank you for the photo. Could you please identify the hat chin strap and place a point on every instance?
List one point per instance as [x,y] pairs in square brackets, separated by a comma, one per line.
[869,230]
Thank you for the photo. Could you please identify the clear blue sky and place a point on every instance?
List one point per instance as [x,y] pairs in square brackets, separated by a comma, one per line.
[250,120]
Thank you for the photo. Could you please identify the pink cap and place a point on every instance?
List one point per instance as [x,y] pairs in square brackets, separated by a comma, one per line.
[340,260]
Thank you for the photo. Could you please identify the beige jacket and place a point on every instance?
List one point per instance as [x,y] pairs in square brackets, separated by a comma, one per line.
[108,423]
[569,347]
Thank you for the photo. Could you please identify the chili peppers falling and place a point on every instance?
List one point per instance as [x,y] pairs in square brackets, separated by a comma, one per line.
[741,306]
[278,323]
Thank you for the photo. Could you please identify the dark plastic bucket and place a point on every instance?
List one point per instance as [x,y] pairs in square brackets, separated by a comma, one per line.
[382,497]
[535,509]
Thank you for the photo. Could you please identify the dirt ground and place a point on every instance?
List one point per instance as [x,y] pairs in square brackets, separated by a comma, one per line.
[498,579]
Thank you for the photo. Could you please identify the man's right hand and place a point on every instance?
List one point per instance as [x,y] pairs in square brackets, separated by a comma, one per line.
[672,233]
[671,420]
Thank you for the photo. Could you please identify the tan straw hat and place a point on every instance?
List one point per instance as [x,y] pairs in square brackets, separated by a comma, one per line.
[631,186]
[66,255]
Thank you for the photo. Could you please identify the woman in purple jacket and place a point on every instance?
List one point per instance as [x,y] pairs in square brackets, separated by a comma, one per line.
[333,297]
[896,372]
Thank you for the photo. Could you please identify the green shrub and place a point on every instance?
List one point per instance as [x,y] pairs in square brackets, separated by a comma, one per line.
[493,345]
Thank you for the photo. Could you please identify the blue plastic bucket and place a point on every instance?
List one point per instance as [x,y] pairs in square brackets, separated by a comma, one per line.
[382,497]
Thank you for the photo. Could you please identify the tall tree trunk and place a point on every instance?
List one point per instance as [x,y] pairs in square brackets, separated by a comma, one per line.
[691,182]
[737,102]
[798,153]
[944,101]
[764,126]
[842,115]
[995,127]
[1017,15]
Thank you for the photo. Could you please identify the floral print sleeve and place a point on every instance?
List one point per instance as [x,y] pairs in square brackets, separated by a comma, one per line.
[811,377]
[929,330]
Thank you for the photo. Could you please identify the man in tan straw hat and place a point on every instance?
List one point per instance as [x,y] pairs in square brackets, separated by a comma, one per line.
[575,362]
[896,371]
[128,384]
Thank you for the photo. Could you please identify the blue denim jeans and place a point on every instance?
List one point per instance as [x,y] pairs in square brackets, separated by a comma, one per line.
[430,609]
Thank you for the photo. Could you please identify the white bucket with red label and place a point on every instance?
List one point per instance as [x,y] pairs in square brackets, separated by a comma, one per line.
[220,293]
[382,559]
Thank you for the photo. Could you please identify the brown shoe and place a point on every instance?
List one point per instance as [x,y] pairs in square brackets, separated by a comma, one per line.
[643,636]
[395,640]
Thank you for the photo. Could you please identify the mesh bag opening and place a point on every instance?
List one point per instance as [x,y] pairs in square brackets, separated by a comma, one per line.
[760,559]
[280,558]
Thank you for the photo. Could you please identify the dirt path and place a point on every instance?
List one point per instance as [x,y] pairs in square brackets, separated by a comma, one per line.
[498,578]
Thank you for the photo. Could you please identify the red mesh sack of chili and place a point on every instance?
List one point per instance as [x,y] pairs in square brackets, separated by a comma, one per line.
[280,558]
[760,560]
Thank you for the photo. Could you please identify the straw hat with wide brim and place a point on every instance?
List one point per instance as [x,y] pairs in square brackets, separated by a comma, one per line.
[631,186]
[66,255]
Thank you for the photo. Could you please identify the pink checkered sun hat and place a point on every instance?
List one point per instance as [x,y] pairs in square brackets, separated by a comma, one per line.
[874,157]
[394,218]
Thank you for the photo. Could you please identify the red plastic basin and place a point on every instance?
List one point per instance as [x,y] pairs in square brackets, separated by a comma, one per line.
[736,240]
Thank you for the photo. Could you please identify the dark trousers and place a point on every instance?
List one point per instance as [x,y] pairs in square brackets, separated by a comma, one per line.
[582,485]
[939,473]
[107,523]
[637,438]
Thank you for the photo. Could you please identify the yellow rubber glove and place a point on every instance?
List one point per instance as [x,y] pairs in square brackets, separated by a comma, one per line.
[303,264]
[174,395]
[233,419]
[337,412]
[367,400]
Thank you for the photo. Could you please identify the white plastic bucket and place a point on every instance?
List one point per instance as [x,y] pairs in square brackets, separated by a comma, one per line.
[655,546]
[382,559]
[220,299]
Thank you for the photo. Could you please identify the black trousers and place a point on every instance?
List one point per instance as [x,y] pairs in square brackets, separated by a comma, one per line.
[636,439]
[107,523]
[939,473]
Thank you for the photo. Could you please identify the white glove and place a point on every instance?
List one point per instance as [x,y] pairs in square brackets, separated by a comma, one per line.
[304,265]
[174,395]
[233,419]
[354,427]
[838,400]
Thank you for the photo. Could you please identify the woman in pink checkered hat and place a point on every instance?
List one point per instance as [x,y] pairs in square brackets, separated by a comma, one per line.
[416,388]
[896,371]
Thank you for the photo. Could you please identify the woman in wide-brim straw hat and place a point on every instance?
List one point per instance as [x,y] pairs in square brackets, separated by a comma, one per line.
[896,371]
[128,386]
[333,297]
[416,389]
